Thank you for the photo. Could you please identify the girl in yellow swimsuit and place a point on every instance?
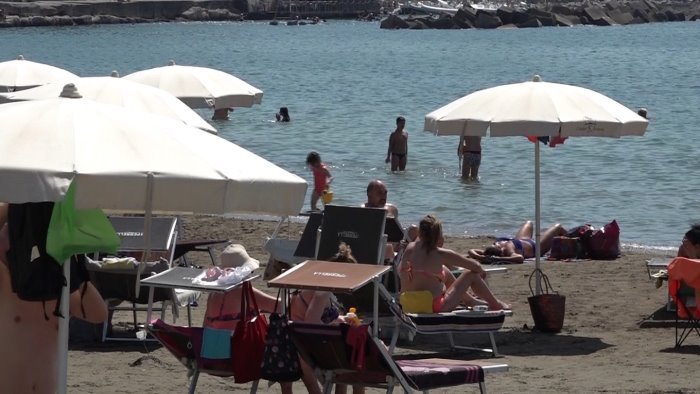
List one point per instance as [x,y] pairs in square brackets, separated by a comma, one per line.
[427,258]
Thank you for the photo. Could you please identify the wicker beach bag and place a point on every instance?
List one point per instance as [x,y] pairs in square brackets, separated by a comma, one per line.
[548,308]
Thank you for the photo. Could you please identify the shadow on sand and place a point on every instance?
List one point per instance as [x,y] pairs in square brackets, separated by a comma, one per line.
[515,343]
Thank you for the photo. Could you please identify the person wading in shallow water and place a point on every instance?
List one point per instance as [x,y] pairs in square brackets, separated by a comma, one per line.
[398,146]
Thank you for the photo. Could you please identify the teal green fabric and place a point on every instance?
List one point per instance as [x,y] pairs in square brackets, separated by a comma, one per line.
[75,231]
[216,344]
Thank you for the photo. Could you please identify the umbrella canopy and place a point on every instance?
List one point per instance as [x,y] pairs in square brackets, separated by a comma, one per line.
[200,87]
[115,154]
[130,160]
[120,92]
[22,74]
[535,108]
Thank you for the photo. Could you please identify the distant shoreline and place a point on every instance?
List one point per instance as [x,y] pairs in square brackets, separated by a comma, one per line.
[88,12]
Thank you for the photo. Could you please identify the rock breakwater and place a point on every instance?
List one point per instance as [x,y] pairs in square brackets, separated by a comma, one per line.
[606,13]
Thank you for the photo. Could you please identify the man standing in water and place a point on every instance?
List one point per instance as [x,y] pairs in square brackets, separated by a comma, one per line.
[469,151]
[398,146]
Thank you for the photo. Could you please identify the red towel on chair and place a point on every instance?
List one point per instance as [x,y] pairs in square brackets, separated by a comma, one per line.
[357,339]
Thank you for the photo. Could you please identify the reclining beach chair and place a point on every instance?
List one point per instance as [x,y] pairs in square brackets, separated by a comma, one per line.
[364,230]
[118,278]
[684,289]
[351,355]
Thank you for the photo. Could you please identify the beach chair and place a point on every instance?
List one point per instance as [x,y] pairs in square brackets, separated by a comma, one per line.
[684,289]
[118,278]
[363,230]
[186,344]
[351,355]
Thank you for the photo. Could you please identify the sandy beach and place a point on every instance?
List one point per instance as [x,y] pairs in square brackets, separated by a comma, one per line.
[601,348]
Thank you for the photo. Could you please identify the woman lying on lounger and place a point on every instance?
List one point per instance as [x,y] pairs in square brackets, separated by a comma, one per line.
[522,246]
[422,268]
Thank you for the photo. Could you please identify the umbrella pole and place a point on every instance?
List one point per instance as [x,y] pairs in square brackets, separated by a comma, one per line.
[538,287]
[147,240]
[63,332]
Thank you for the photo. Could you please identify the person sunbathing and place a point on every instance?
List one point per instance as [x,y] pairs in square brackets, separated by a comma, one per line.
[29,336]
[423,267]
[223,309]
[517,249]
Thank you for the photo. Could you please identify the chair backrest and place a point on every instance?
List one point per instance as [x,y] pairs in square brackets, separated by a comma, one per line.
[125,284]
[684,285]
[307,243]
[361,228]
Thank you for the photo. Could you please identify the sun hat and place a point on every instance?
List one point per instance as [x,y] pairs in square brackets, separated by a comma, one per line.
[235,255]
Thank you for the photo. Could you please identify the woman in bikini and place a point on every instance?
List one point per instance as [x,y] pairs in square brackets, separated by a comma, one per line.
[423,264]
[522,246]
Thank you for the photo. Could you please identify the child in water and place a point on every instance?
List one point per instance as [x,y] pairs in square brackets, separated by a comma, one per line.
[322,177]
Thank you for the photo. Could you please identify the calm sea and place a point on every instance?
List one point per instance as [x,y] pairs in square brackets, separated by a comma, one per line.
[345,82]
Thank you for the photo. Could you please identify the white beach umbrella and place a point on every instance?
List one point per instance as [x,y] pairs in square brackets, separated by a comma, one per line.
[200,87]
[130,160]
[536,108]
[120,92]
[21,74]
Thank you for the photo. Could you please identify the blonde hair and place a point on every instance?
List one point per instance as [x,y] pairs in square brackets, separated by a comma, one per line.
[344,254]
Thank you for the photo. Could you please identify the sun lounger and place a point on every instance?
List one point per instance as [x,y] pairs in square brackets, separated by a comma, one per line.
[350,355]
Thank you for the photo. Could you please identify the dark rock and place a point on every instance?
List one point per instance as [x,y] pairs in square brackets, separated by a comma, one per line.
[561,9]
[82,20]
[566,20]
[532,22]
[35,21]
[671,16]
[417,24]
[545,17]
[487,20]
[660,17]
[107,19]
[612,5]
[506,15]
[393,22]
[461,20]
[62,20]
[508,26]
[444,22]
[621,18]
[520,16]
[594,13]
[467,13]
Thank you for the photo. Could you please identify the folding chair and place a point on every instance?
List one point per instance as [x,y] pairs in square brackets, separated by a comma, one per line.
[684,289]
[351,355]
[120,282]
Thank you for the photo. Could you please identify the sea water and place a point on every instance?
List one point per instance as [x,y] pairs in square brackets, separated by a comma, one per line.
[346,82]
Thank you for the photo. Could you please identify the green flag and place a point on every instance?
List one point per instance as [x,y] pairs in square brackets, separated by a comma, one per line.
[74,231]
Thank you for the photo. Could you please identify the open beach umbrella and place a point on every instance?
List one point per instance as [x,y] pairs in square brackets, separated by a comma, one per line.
[21,74]
[540,109]
[120,92]
[128,160]
[200,87]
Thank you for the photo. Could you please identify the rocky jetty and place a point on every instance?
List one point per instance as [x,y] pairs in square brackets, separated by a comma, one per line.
[606,13]
[86,12]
